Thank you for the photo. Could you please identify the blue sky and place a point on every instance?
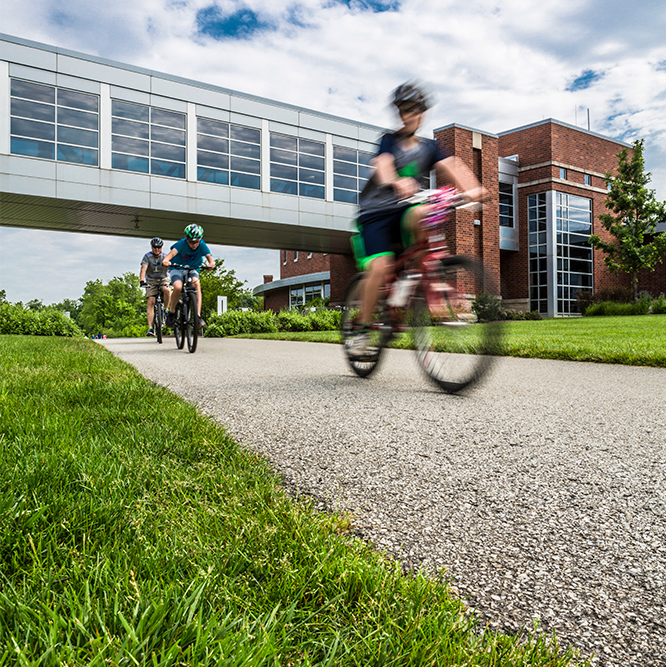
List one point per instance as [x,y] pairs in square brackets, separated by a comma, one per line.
[493,64]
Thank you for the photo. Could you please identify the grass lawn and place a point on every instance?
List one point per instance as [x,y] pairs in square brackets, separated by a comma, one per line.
[134,531]
[638,340]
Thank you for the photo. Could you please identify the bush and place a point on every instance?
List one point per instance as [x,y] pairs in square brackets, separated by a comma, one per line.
[659,305]
[15,319]
[487,307]
[290,320]
[613,309]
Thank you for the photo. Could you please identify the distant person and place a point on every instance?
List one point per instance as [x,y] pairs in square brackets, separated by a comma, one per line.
[153,277]
[190,252]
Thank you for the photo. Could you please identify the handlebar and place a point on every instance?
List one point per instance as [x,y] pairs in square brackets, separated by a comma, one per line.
[188,268]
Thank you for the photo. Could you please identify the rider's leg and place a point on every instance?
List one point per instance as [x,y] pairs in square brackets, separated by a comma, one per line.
[378,271]
[150,311]
[166,295]
[175,295]
[197,283]
[412,223]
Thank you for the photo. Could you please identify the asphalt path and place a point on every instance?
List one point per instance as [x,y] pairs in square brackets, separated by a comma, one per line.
[542,491]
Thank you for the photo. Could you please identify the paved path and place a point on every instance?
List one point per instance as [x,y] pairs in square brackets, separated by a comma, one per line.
[542,491]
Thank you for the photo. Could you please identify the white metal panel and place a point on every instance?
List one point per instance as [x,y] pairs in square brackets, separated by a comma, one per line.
[260,109]
[27,55]
[27,185]
[370,135]
[123,197]
[328,125]
[4,107]
[265,156]
[32,74]
[328,168]
[212,208]
[77,191]
[283,202]
[166,202]
[214,192]
[246,196]
[304,133]
[76,173]
[191,138]
[105,126]
[105,73]
[248,212]
[168,186]
[284,216]
[280,128]
[128,95]
[247,121]
[168,103]
[309,205]
[181,91]
[73,83]
[213,114]
[344,142]
[28,166]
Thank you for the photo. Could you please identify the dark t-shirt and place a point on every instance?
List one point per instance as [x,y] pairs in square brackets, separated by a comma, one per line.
[415,163]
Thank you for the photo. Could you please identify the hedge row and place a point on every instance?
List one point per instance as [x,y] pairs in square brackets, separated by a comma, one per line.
[237,322]
[643,306]
[16,319]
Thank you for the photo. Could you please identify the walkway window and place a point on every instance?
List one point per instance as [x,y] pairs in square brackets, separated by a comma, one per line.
[228,154]
[147,140]
[297,166]
[54,123]
[351,170]
[537,220]
[506,215]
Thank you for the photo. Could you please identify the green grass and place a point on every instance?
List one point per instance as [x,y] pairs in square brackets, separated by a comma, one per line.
[638,340]
[134,531]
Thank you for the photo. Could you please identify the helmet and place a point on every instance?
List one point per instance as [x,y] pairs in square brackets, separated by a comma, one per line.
[194,232]
[410,95]
[156,242]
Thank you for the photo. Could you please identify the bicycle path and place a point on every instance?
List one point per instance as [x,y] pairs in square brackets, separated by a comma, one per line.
[542,491]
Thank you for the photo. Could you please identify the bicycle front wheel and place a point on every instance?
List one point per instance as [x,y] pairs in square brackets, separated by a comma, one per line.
[159,316]
[453,348]
[191,322]
[378,332]
[179,326]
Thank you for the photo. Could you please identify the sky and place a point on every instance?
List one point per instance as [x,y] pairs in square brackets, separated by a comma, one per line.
[492,64]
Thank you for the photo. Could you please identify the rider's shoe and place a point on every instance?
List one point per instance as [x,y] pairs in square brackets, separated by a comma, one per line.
[170,319]
[150,332]
[359,349]
[202,323]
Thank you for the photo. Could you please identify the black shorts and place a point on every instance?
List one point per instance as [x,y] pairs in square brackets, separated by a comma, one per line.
[381,233]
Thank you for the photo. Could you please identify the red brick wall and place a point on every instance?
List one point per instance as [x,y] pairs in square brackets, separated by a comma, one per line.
[303,265]
[276,300]
[343,267]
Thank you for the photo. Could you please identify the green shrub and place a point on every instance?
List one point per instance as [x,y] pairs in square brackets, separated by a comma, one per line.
[325,320]
[611,308]
[15,319]
[236,322]
[659,305]
[487,307]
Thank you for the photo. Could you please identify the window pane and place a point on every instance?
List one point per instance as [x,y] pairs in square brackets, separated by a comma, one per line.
[129,128]
[127,145]
[167,152]
[346,154]
[168,118]
[243,164]
[311,162]
[280,141]
[31,128]
[69,135]
[131,111]
[213,176]
[345,196]
[311,147]
[286,187]
[77,118]
[129,163]
[162,168]
[344,168]
[365,172]
[33,91]
[284,172]
[245,134]
[285,157]
[245,181]
[212,127]
[311,176]
[316,191]
[32,148]
[78,155]
[344,182]
[33,110]
[245,150]
[213,160]
[68,98]
[212,143]
[167,135]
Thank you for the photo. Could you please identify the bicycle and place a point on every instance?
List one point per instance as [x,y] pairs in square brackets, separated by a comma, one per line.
[187,320]
[158,318]
[453,349]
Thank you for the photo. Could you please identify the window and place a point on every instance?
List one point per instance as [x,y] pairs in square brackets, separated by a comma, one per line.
[301,295]
[295,255]
[147,140]
[228,154]
[588,179]
[506,217]
[563,173]
[297,166]
[574,253]
[284,256]
[296,297]
[537,221]
[54,123]
[351,170]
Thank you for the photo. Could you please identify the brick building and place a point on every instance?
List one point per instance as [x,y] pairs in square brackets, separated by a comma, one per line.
[547,190]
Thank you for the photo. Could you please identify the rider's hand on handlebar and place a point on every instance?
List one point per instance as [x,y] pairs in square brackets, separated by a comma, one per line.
[142,283]
[166,262]
[405,187]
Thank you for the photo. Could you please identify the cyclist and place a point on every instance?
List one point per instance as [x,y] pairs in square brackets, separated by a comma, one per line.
[189,251]
[384,220]
[153,276]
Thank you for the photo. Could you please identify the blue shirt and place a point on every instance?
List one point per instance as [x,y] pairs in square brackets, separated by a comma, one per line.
[188,257]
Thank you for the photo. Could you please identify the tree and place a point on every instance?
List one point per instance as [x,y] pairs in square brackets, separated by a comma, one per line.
[634,215]
[71,306]
[35,304]
[219,282]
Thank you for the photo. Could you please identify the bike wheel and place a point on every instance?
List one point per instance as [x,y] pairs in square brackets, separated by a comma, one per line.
[191,322]
[379,330]
[179,327]
[159,316]
[453,349]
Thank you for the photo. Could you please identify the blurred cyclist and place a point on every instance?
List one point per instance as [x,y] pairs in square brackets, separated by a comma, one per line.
[385,220]
[153,276]
[189,251]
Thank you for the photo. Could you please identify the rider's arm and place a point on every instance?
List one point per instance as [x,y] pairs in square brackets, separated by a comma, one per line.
[211,262]
[167,260]
[142,273]
[454,170]
[385,174]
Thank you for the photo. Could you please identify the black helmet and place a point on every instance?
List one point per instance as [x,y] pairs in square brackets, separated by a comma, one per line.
[156,242]
[410,95]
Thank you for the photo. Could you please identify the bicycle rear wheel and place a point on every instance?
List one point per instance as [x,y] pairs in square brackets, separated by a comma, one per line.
[179,326]
[159,316]
[379,330]
[191,322]
[453,349]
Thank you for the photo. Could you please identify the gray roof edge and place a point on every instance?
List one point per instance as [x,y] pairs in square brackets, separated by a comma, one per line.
[465,127]
[563,124]
[179,79]
[305,279]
